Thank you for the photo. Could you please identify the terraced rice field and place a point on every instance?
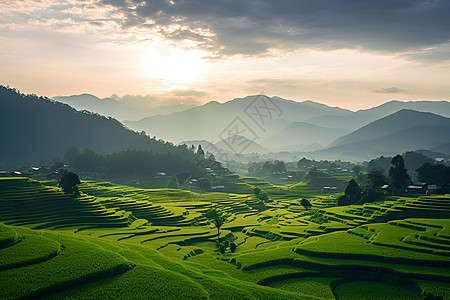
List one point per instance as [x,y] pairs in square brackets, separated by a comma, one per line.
[121,242]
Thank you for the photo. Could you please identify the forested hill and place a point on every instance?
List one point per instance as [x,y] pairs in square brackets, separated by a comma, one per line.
[35,129]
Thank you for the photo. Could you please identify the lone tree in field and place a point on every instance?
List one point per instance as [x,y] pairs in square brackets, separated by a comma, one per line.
[305,203]
[218,217]
[398,174]
[68,181]
[353,192]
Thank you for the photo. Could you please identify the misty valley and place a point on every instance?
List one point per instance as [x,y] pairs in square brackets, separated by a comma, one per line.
[254,198]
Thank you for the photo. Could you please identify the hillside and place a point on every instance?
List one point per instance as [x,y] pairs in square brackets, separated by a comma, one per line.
[238,144]
[405,130]
[396,122]
[117,109]
[209,120]
[302,133]
[442,148]
[363,117]
[94,247]
[36,129]
[207,146]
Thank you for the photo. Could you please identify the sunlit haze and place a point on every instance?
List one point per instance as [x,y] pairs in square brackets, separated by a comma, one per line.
[352,56]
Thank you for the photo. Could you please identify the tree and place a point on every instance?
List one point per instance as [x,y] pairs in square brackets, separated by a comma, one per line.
[414,160]
[304,163]
[305,203]
[398,174]
[218,217]
[257,191]
[263,197]
[342,200]
[71,154]
[376,179]
[370,195]
[233,247]
[267,167]
[57,165]
[204,183]
[353,192]
[278,166]
[200,151]
[356,169]
[434,174]
[68,181]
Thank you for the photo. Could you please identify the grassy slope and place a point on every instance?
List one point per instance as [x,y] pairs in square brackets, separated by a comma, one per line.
[169,251]
[88,267]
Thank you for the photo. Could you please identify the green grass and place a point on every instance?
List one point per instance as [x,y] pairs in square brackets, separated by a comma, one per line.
[118,241]
[78,261]
[345,245]
[318,286]
[375,290]
[8,236]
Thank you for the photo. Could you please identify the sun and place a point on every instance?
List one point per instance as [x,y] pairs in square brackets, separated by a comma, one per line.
[175,66]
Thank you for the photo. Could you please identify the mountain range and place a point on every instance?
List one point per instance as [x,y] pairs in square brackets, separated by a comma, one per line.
[36,129]
[299,136]
[272,124]
[366,116]
[119,110]
[292,126]
[236,144]
[402,131]
[259,116]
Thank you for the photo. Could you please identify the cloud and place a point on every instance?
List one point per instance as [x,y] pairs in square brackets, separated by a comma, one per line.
[254,27]
[412,29]
[389,90]
[439,53]
[175,97]
[184,93]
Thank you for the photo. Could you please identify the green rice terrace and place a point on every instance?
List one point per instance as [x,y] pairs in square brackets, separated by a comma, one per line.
[121,242]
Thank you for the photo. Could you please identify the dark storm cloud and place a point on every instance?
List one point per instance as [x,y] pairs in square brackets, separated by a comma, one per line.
[253,27]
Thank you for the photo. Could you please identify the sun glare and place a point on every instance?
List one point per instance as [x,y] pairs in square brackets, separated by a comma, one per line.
[174,65]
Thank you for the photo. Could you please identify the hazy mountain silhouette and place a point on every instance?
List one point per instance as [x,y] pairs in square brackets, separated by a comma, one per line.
[365,116]
[442,148]
[206,146]
[210,120]
[299,135]
[396,122]
[238,144]
[402,131]
[38,129]
[114,108]
[230,146]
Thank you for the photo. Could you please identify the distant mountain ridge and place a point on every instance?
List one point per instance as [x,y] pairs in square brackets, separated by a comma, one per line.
[405,130]
[231,145]
[116,109]
[365,116]
[209,120]
[302,133]
[398,121]
[38,129]
[238,144]
[278,124]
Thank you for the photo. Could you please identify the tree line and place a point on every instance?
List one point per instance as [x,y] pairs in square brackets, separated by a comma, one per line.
[141,164]
[398,179]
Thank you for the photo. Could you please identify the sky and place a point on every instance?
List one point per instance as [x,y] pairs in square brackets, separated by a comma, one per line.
[353,54]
